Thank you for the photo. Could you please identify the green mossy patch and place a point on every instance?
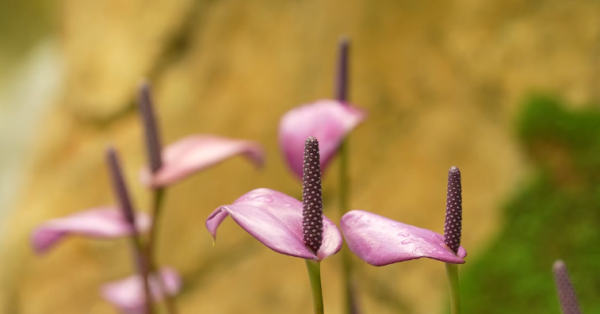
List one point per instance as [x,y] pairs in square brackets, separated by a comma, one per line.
[554,215]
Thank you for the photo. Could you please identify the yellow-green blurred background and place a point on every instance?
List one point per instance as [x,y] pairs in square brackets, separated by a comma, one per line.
[505,90]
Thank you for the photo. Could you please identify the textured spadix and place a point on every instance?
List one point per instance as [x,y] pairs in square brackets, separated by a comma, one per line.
[197,152]
[102,222]
[128,295]
[453,223]
[564,287]
[329,121]
[151,130]
[380,241]
[312,200]
[275,219]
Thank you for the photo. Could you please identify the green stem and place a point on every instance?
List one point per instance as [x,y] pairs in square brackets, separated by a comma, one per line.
[452,272]
[344,200]
[142,265]
[158,196]
[344,178]
[156,203]
[314,273]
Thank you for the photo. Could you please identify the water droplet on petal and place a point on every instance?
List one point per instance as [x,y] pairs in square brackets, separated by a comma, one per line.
[405,242]
[403,234]
[265,199]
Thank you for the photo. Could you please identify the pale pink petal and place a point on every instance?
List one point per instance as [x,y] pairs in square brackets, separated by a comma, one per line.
[128,294]
[329,121]
[102,222]
[381,241]
[198,152]
[275,219]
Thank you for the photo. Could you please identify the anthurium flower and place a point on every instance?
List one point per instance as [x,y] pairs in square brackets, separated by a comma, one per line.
[330,121]
[281,222]
[188,155]
[275,219]
[287,226]
[128,295]
[380,241]
[564,287]
[101,222]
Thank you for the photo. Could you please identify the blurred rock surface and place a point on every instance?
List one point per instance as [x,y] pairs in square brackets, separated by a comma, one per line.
[441,82]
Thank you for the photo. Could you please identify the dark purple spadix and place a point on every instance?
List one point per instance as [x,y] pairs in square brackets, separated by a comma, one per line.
[312,211]
[564,287]
[151,131]
[119,187]
[453,223]
[341,78]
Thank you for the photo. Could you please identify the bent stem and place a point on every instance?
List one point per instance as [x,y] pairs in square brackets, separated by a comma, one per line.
[158,196]
[452,272]
[314,274]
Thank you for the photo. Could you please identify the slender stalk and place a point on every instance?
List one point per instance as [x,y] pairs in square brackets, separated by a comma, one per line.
[142,266]
[156,204]
[158,196]
[314,274]
[452,272]
[154,148]
[344,178]
[122,195]
[341,94]
[344,192]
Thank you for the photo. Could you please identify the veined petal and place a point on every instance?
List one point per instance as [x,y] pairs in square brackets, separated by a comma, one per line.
[197,152]
[128,294]
[102,222]
[327,120]
[381,241]
[275,219]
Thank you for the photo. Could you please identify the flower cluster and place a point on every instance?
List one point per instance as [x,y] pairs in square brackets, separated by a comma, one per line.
[310,136]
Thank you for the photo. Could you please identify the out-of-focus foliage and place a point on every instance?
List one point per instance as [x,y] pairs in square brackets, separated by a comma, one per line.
[555,216]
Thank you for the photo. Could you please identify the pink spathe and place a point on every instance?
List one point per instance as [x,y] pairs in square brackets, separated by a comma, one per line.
[329,121]
[275,219]
[128,296]
[380,241]
[198,152]
[101,222]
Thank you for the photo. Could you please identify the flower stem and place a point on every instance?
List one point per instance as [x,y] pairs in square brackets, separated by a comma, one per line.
[314,274]
[452,272]
[158,196]
[344,193]
[142,265]
[142,261]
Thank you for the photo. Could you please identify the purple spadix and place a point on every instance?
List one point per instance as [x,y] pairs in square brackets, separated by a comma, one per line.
[312,204]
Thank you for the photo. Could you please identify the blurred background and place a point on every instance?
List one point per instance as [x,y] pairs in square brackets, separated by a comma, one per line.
[507,91]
